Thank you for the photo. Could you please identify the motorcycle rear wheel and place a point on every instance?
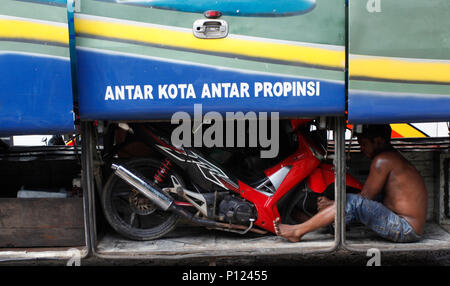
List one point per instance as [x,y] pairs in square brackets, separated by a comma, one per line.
[131,214]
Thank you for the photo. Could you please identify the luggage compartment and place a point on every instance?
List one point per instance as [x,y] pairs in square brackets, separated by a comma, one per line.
[400,75]
[140,60]
[187,240]
[430,157]
[41,216]
[41,203]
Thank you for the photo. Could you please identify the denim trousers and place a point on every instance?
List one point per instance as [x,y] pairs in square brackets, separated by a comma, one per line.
[379,218]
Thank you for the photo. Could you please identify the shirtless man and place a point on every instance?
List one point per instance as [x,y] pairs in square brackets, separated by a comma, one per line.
[400,218]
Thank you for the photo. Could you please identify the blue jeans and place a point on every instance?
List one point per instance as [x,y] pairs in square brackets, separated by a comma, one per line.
[379,218]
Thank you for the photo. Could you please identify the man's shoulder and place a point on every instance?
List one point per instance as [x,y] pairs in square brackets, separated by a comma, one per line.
[385,159]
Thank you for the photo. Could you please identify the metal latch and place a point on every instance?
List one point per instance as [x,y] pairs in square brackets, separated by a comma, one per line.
[210,29]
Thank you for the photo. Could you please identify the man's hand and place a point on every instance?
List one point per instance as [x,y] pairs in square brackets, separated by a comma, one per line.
[323,202]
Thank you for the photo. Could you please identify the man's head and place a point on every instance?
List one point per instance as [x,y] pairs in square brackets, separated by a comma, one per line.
[374,138]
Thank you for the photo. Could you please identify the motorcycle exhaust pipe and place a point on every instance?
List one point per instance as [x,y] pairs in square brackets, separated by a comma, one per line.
[161,200]
[153,193]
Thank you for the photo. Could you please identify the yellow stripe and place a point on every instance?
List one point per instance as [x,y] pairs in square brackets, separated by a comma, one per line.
[175,38]
[400,69]
[407,130]
[27,30]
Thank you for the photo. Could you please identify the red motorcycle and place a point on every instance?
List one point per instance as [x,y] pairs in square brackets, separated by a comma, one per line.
[219,188]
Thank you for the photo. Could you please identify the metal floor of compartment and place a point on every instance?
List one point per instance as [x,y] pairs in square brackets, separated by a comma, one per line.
[188,242]
[435,237]
[191,242]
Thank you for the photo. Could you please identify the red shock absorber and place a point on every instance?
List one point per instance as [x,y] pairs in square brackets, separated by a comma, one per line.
[161,173]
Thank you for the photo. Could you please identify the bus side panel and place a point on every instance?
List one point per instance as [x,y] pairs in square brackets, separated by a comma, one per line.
[35,79]
[141,60]
[399,63]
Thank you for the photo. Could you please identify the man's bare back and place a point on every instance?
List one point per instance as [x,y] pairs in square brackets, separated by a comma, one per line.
[404,191]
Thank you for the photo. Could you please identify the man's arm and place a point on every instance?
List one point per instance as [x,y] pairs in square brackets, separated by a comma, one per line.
[378,174]
[379,171]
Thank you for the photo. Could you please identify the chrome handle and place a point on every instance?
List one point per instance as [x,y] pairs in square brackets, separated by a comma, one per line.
[210,29]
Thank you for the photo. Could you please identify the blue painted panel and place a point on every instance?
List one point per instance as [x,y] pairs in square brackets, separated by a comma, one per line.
[101,73]
[380,107]
[230,7]
[36,94]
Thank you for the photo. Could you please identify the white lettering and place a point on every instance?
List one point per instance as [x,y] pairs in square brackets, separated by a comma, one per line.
[234,90]
[109,94]
[182,87]
[129,88]
[190,91]
[258,88]
[225,86]
[301,88]
[162,91]
[278,89]
[173,91]
[120,92]
[148,89]
[205,91]
[244,89]
[137,93]
[287,87]
[214,90]
[268,89]
[311,89]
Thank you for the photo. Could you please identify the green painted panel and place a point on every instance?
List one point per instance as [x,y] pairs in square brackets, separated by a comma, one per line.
[322,29]
[400,28]
[325,24]
[33,11]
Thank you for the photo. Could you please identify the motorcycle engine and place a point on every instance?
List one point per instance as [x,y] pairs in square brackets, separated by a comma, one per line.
[236,210]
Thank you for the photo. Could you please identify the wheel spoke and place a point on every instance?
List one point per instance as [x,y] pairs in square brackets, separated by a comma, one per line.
[122,205]
[132,218]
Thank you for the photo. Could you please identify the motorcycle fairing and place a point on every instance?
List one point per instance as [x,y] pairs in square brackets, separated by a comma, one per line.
[301,164]
[322,177]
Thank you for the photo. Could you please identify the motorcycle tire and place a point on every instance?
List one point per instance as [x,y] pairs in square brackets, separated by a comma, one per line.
[116,204]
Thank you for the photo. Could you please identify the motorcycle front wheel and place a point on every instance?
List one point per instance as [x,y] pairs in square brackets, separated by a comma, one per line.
[129,212]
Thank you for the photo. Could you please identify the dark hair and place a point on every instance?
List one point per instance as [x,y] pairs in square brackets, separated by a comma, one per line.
[376,130]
